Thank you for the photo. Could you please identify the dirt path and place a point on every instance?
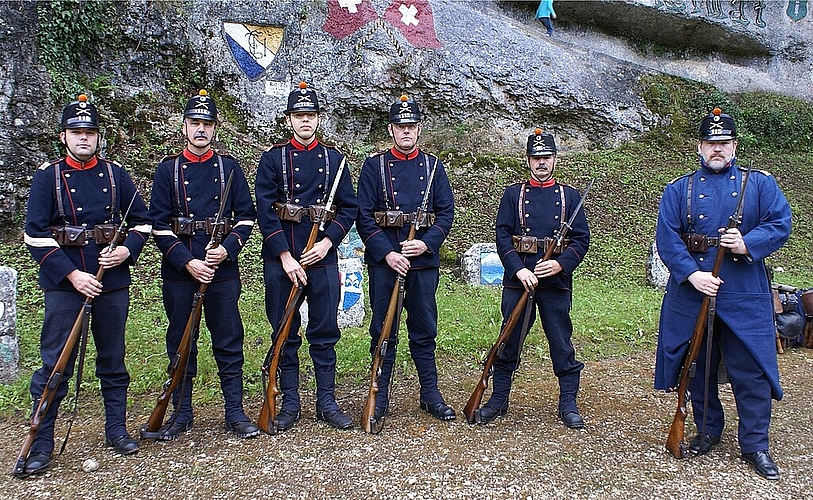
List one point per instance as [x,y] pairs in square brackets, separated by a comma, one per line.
[526,454]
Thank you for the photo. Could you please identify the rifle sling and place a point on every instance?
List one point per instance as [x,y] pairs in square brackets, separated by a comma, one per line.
[707,371]
[83,345]
[526,321]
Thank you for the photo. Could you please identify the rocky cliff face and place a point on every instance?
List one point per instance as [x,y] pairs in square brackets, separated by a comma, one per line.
[483,70]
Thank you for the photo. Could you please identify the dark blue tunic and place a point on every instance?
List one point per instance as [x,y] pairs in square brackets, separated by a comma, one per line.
[198,197]
[402,188]
[87,195]
[543,216]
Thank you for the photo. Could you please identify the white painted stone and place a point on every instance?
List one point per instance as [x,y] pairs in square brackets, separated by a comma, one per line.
[481,265]
[9,349]
[657,274]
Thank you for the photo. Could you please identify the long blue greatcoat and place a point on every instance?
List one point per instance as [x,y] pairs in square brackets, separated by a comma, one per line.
[744,299]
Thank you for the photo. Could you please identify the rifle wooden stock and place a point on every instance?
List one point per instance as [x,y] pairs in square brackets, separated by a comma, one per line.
[54,381]
[477,395]
[674,442]
[393,317]
[267,420]
[368,422]
[177,369]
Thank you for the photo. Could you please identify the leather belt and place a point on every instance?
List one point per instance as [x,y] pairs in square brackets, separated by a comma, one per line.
[397,218]
[77,236]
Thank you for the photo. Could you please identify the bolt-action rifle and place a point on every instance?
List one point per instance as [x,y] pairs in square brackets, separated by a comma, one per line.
[472,408]
[369,423]
[267,421]
[177,368]
[674,442]
[79,331]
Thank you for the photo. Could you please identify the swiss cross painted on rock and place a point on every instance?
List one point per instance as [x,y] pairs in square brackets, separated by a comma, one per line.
[413,18]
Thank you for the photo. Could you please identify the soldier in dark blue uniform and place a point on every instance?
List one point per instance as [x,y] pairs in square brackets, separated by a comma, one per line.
[186,195]
[294,180]
[529,215]
[75,204]
[395,181]
[692,221]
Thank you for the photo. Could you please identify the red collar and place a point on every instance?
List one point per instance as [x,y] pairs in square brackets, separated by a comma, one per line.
[189,155]
[302,147]
[546,184]
[402,156]
[78,165]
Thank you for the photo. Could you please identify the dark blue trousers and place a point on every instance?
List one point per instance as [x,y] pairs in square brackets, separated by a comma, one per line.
[322,291]
[553,306]
[752,391]
[225,325]
[108,317]
[421,322]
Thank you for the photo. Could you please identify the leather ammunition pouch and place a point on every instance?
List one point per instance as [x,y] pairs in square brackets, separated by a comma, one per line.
[531,244]
[187,226]
[316,213]
[79,236]
[699,243]
[292,212]
[397,218]
[182,226]
[525,244]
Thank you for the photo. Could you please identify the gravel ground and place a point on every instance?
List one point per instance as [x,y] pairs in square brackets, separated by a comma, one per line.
[526,454]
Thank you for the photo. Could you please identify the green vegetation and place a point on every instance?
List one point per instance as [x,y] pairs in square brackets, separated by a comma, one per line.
[71,33]
[614,312]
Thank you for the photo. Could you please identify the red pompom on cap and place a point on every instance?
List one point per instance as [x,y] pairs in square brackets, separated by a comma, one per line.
[82,98]
[303,85]
[404,98]
[537,131]
[717,111]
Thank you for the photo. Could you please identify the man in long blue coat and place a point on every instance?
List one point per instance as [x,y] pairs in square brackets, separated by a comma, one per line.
[74,206]
[186,195]
[692,221]
[395,181]
[533,211]
[294,180]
